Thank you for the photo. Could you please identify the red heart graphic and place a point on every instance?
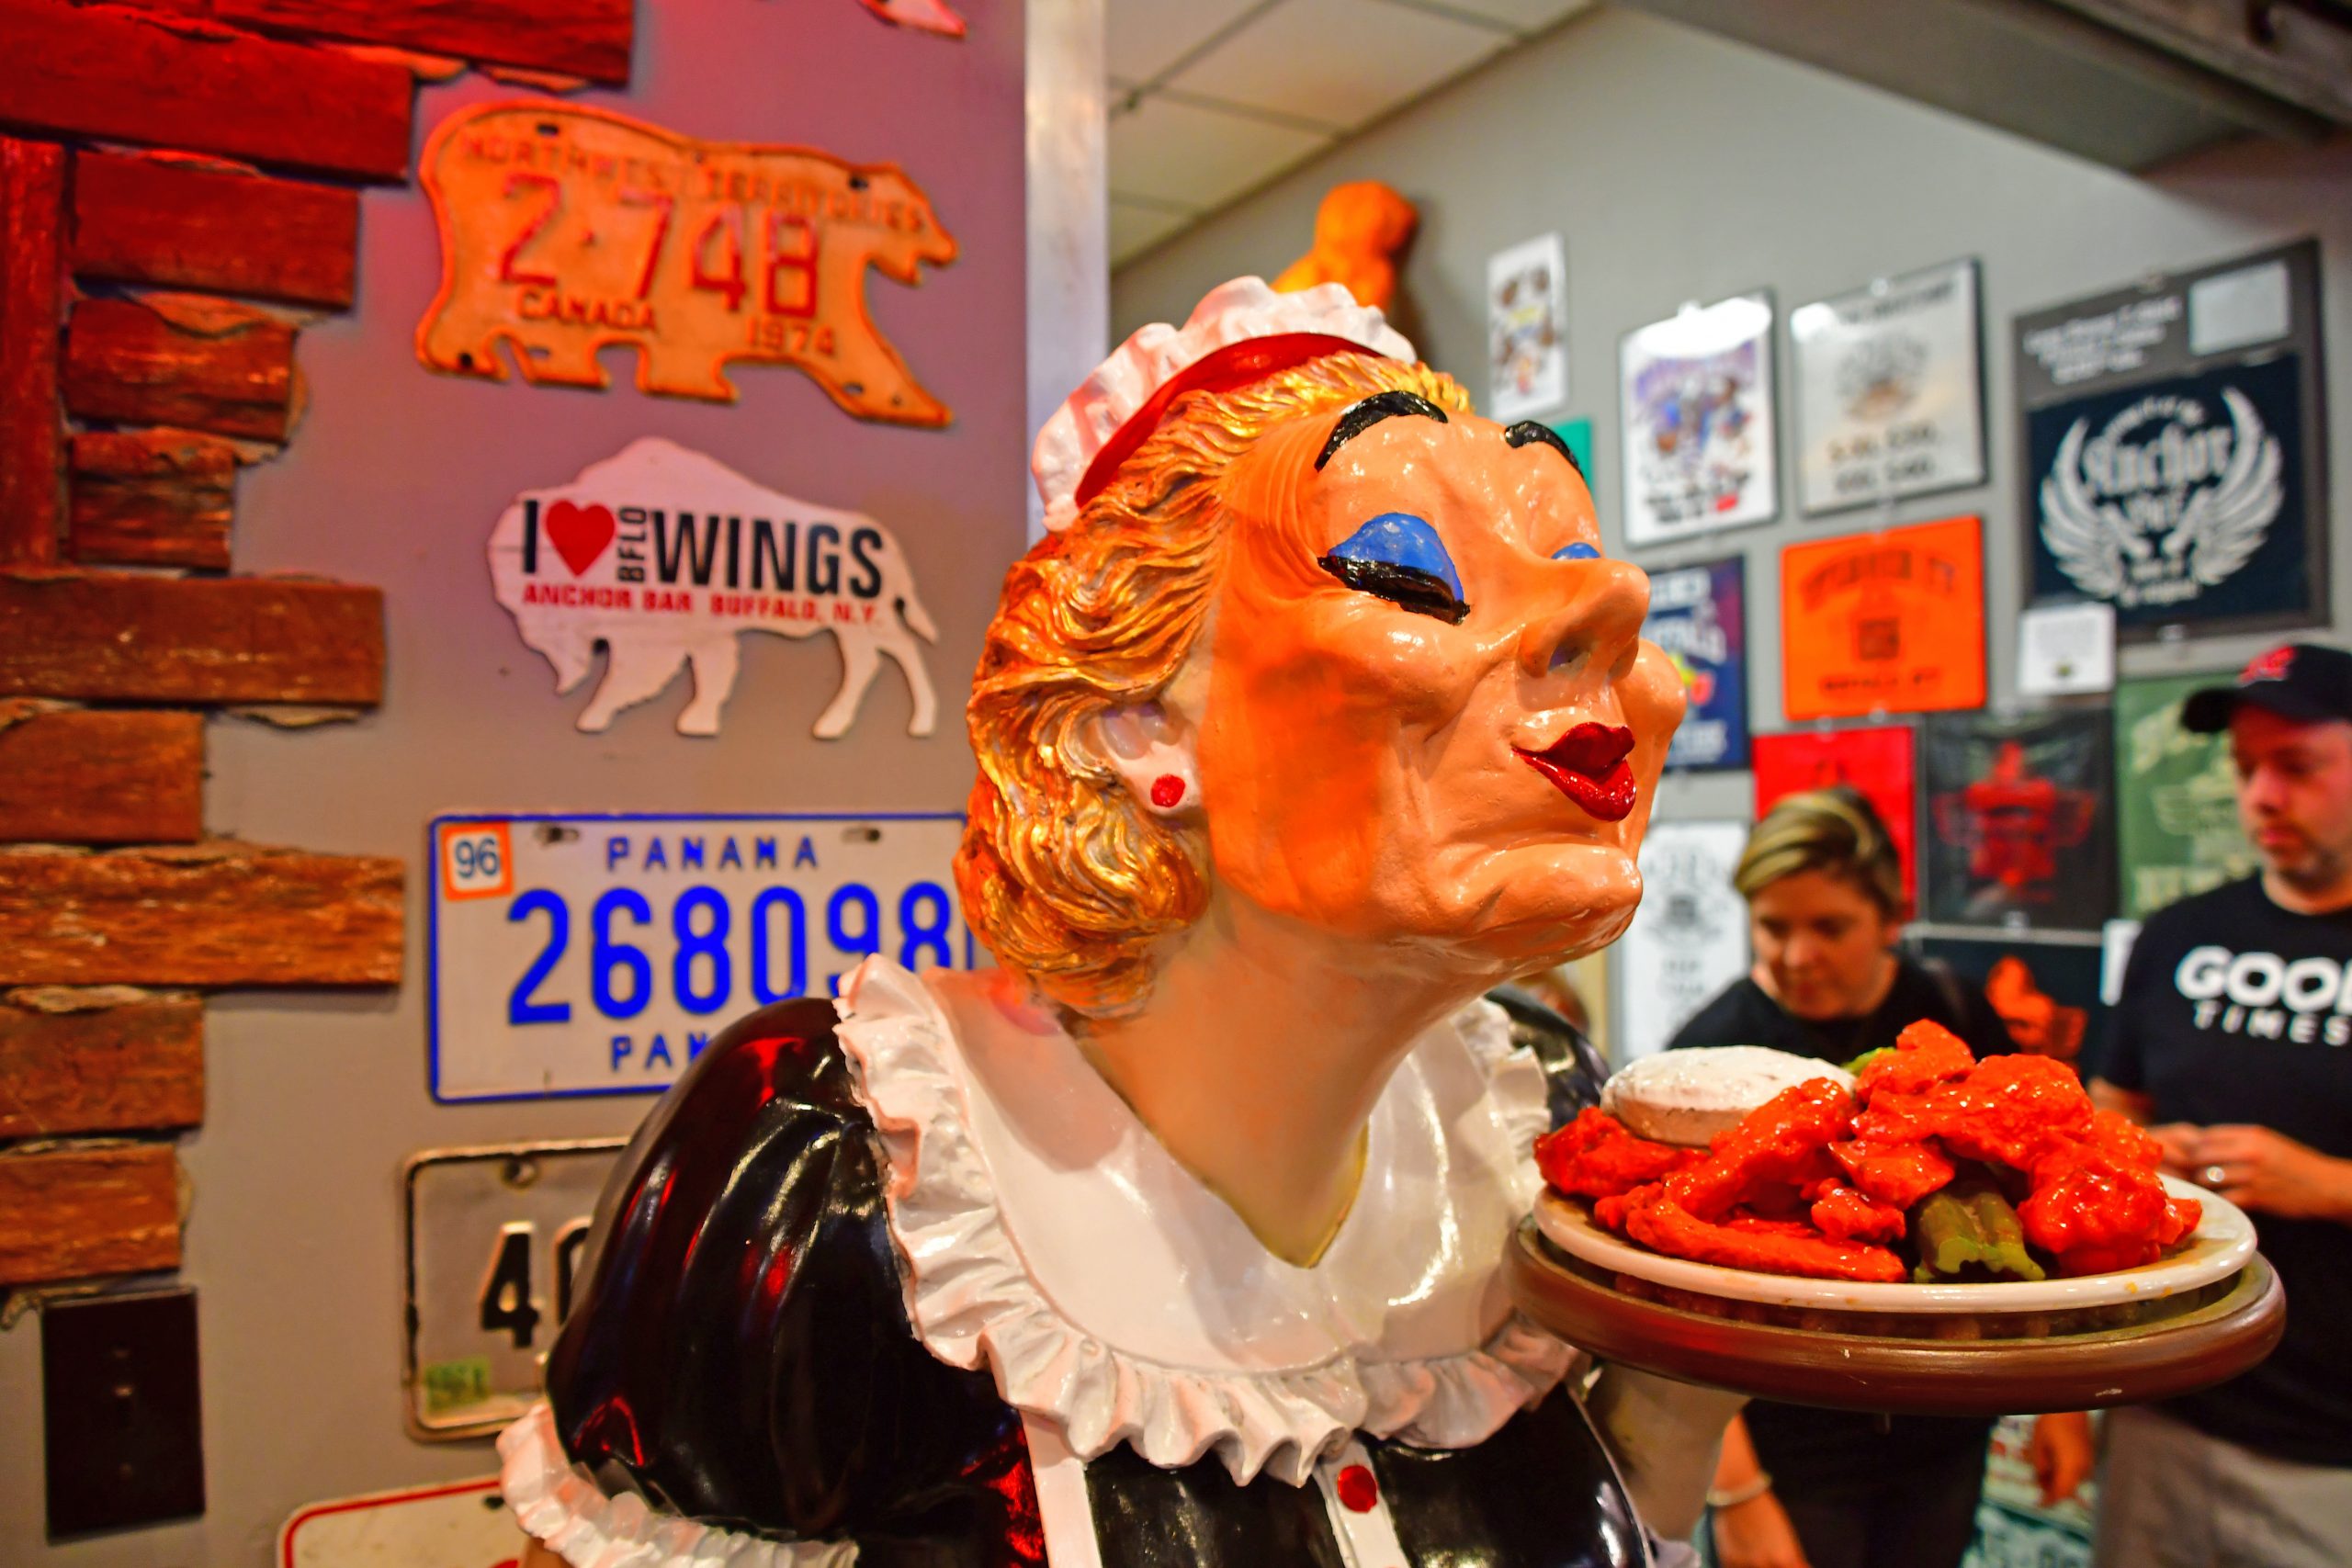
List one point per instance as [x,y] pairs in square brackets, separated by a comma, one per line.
[579,533]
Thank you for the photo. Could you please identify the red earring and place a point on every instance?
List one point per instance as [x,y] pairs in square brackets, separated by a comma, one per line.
[1167,791]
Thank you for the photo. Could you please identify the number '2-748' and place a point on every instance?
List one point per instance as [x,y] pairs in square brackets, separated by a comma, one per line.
[701,965]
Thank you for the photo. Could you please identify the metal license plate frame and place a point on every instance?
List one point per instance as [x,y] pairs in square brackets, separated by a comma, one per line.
[421,1315]
[475,1055]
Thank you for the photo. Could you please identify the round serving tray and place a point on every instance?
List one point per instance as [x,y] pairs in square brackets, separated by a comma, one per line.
[1924,1364]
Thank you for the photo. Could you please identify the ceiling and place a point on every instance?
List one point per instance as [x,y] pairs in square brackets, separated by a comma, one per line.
[1212,98]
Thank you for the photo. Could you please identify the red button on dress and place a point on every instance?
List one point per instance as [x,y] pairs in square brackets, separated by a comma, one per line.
[1359,1493]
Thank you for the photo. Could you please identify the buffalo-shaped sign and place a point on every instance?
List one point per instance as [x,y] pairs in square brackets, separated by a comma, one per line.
[666,557]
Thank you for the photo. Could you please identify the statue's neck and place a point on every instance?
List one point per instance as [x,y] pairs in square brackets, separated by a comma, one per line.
[1257,1060]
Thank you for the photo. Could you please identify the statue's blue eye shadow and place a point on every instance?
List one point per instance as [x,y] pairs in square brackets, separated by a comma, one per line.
[1399,558]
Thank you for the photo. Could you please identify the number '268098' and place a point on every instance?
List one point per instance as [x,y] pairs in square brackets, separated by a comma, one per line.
[703,953]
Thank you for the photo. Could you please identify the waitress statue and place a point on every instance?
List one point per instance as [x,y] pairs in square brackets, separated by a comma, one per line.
[1176,1238]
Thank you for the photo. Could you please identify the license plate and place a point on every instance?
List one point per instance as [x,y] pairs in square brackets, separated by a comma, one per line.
[496,1238]
[599,953]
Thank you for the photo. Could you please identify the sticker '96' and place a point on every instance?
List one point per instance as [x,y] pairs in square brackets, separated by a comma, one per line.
[601,954]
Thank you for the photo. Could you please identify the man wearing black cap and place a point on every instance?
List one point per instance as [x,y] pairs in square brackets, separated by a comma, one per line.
[2232,1041]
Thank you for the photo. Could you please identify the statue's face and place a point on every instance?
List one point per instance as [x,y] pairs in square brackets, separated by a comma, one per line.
[1429,720]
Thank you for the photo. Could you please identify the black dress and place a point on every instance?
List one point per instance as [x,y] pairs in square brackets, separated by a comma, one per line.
[743,1356]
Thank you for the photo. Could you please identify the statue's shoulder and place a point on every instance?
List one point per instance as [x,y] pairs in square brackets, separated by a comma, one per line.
[740,1353]
[787,1055]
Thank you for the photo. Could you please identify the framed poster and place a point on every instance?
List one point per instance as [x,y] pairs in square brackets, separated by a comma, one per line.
[1689,939]
[1876,760]
[2022,813]
[2047,992]
[1695,401]
[1698,614]
[1527,330]
[1891,622]
[598,952]
[2176,799]
[2175,448]
[1890,389]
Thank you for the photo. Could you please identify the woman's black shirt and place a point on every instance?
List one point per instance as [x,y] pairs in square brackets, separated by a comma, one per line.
[1823,1453]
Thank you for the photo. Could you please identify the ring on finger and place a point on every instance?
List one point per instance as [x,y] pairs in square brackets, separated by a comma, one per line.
[2212,1176]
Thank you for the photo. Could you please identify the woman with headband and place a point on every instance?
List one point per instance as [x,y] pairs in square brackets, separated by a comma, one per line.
[1177,1237]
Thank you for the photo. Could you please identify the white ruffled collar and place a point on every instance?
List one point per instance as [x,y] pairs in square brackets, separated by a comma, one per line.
[1046,1233]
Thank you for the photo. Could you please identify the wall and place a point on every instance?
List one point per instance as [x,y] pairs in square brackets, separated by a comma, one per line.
[1682,167]
[395,478]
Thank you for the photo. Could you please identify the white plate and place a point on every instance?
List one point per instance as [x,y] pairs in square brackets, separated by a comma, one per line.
[2221,1246]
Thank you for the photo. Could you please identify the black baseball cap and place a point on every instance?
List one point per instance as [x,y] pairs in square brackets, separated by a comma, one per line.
[2305,681]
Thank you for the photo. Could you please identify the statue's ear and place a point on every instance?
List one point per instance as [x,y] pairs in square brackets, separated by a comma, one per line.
[1151,752]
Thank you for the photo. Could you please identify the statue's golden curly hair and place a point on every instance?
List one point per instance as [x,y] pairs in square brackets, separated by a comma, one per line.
[1063,874]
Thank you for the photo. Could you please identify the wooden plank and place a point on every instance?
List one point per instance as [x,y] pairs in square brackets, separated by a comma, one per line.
[220,913]
[150,498]
[573,37]
[123,75]
[121,636]
[181,360]
[181,225]
[78,1214]
[100,775]
[129,1064]
[32,281]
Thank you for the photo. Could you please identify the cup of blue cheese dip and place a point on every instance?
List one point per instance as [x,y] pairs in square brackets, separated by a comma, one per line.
[1687,1098]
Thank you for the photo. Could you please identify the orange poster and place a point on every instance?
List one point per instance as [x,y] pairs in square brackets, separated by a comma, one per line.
[567,229]
[1884,623]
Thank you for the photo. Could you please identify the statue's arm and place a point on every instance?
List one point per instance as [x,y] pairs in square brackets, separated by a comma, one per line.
[741,1331]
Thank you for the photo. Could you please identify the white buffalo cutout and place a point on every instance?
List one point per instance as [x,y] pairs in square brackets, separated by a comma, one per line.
[713,556]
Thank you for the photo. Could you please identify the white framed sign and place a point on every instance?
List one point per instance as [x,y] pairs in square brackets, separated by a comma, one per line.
[1890,389]
[582,954]
[464,1525]
[1527,330]
[1689,939]
[1695,400]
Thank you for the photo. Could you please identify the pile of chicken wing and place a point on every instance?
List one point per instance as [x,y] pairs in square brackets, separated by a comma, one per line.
[1821,1182]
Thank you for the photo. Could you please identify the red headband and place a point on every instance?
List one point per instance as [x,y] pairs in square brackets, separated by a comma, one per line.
[1235,366]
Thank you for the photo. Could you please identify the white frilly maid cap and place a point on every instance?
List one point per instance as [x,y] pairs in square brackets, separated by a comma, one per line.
[1125,385]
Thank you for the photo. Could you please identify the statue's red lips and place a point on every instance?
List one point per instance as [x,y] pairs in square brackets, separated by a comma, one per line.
[1589,766]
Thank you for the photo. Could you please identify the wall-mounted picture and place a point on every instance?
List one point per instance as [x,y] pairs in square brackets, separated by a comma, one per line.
[1890,391]
[1890,622]
[1689,939]
[1695,401]
[1698,616]
[2046,992]
[2175,456]
[1527,330]
[1875,760]
[2175,797]
[2020,812]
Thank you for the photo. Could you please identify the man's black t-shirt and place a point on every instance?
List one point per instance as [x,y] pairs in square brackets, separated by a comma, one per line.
[2235,1010]
[1830,1453]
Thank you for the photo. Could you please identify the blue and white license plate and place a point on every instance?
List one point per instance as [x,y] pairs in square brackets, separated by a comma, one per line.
[599,953]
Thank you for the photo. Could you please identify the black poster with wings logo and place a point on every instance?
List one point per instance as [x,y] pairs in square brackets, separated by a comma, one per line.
[2173,462]
[2179,500]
